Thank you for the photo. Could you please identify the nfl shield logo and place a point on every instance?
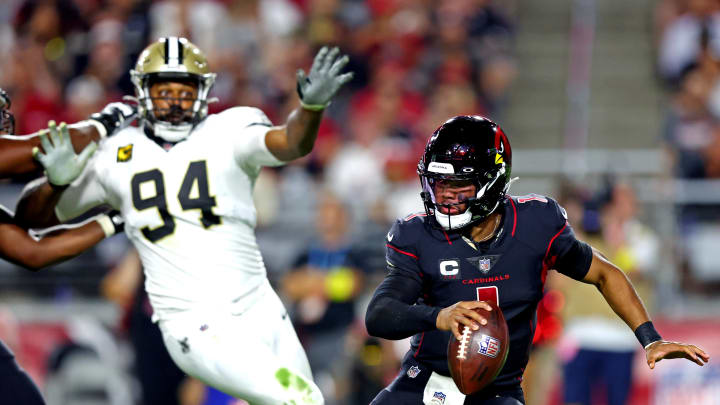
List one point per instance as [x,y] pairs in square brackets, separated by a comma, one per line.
[484,265]
[438,398]
[489,346]
[413,371]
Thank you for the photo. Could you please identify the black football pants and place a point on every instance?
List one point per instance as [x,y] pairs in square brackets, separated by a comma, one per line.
[15,385]
[406,390]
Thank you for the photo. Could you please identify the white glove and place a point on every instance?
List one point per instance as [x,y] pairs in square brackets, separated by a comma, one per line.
[62,165]
[320,85]
[114,117]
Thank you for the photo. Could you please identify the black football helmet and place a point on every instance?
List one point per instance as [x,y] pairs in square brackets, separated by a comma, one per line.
[466,148]
[7,120]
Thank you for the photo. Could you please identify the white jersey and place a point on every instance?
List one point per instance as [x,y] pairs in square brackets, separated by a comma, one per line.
[188,210]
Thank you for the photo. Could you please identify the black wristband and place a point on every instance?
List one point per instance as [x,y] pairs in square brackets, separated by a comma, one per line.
[117,220]
[647,334]
[109,121]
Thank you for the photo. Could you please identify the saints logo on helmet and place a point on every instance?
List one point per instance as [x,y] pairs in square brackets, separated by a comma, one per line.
[172,59]
[466,148]
[7,120]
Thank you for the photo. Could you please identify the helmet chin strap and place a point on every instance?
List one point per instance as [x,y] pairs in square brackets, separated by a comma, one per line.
[452,222]
[171,133]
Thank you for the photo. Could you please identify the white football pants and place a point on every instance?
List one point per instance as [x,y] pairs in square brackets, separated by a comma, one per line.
[255,356]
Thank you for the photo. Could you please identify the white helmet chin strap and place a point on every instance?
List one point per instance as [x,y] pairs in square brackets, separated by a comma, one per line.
[449,222]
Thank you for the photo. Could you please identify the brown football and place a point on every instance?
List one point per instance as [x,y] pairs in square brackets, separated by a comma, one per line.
[479,356]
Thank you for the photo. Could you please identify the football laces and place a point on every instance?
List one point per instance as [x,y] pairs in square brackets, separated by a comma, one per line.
[464,342]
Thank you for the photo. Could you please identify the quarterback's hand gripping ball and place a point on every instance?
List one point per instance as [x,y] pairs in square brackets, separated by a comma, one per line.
[477,358]
[61,164]
[324,80]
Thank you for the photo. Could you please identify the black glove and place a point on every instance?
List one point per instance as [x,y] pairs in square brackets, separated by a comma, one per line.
[114,117]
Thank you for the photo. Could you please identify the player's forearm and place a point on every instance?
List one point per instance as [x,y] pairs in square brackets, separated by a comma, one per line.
[392,312]
[620,294]
[64,244]
[302,129]
[16,155]
[36,207]
[392,319]
[16,151]
[17,246]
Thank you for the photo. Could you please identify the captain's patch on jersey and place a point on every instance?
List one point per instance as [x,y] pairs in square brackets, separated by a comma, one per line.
[124,153]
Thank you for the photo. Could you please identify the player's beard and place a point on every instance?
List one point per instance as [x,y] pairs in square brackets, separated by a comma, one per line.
[174,115]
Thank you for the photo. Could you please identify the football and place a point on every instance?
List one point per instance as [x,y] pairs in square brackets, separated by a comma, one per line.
[479,356]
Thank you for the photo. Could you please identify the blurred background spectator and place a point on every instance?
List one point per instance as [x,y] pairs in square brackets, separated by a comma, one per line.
[619,99]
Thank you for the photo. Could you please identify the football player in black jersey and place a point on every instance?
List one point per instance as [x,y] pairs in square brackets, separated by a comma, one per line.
[17,246]
[476,243]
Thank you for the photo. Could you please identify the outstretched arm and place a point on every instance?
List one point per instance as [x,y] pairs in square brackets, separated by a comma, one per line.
[36,207]
[16,150]
[297,137]
[63,243]
[623,299]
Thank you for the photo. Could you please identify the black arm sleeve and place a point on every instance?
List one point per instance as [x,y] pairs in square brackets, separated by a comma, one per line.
[576,260]
[392,312]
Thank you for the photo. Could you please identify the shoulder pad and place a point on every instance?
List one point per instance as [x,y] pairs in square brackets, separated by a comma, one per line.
[539,213]
[244,116]
[418,216]
[405,231]
[123,137]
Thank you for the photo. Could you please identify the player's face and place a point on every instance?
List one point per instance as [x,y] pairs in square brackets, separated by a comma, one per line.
[173,101]
[453,194]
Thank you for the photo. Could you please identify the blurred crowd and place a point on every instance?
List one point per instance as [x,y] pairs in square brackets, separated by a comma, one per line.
[322,219]
[687,39]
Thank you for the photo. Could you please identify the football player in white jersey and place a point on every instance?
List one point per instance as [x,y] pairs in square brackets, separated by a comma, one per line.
[183,182]
[19,247]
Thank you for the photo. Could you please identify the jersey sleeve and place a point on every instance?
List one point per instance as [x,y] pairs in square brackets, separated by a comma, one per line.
[393,311]
[249,146]
[401,252]
[565,253]
[86,192]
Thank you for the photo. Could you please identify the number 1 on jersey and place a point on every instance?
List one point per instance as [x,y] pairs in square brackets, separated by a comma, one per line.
[201,200]
[488,294]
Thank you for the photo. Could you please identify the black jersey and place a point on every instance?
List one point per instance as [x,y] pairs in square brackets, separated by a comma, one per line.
[446,267]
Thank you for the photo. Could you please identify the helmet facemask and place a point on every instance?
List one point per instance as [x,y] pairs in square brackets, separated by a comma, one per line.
[479,206]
